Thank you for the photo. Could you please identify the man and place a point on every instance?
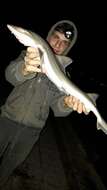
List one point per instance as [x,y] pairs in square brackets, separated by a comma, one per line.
[26,109]
[61,40]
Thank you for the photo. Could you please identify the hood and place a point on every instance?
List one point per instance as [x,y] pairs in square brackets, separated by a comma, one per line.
[74,37]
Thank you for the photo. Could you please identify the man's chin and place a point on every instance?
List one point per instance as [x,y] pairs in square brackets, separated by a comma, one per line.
[57,52]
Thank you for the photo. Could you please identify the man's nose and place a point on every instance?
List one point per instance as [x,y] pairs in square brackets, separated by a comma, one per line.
[58,43]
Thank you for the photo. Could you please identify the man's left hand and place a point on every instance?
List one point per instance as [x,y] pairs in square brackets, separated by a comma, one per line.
[75,104]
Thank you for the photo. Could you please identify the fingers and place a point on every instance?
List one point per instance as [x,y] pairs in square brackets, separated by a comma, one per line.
[31,50]
[68,100]
[32,53]
[75,104]
[32,60]
[32,65]
[31,68]
[79,107]
[86,112]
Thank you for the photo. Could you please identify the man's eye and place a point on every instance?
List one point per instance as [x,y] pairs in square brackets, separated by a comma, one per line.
[55,36]
[66,43]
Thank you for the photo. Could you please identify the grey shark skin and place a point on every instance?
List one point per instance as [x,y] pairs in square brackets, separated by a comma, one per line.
[54,73]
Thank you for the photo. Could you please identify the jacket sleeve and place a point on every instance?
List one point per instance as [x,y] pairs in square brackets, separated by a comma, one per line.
[58,107]
[13,72]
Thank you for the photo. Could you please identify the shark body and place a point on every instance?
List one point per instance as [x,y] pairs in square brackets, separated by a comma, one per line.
[54,73]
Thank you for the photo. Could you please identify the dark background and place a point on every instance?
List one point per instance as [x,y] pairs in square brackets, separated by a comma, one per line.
[88,69]
[88,54]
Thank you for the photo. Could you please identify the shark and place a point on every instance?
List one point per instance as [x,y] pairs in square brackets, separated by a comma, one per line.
[53,71]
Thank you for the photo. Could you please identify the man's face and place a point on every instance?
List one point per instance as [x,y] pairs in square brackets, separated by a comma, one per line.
[58,42]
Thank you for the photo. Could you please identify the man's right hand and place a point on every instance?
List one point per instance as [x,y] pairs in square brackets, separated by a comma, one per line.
[32,61]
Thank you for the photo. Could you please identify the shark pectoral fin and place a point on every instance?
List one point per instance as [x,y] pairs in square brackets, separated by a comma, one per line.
[102,125]
[93,97]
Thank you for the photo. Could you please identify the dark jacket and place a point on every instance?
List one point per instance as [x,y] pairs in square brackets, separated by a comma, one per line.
[33,95]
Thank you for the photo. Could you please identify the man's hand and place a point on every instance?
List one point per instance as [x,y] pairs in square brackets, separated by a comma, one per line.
[75,104]
[32,61]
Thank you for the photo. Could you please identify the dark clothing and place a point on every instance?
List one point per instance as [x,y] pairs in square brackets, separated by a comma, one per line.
[32,96]
[16,141]
[24,114]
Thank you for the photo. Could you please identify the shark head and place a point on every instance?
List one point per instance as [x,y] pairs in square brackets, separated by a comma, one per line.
[24,36]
